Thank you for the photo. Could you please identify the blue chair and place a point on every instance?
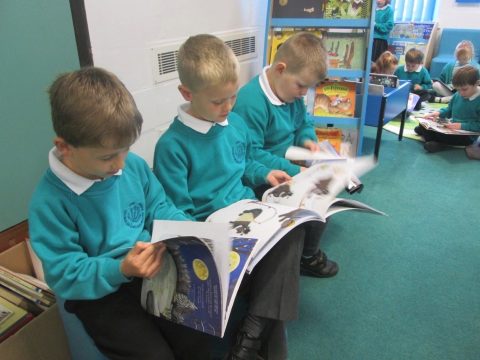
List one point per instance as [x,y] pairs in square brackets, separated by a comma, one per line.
[449,39]
[80,343]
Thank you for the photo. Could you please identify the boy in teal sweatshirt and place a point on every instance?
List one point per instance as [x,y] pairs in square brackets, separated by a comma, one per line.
[91,217]
[463,110]
[419,77]
[273,108]
[204,162]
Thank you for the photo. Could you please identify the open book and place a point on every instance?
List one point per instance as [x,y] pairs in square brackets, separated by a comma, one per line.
[439,126]
[316,188]
[206,262]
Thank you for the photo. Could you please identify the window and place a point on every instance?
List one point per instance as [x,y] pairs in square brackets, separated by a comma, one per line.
[415,10]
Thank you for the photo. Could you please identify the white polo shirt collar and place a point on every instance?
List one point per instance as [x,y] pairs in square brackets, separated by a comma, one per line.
[267,90]
[201,126]
[78,184]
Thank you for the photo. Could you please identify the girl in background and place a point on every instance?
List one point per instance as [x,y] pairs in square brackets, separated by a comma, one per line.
[383,26]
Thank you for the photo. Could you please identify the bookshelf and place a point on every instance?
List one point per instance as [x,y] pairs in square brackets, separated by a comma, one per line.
[348,38]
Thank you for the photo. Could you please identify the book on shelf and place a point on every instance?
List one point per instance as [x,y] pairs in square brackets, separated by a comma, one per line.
[384,79]
[335,99]
[279,35]
[12,318]
[346,49]
[206,261]
[412,30]
[347,9]
[297,8]
[439,126]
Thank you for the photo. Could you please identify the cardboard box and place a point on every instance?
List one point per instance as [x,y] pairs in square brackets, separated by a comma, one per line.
[44,337]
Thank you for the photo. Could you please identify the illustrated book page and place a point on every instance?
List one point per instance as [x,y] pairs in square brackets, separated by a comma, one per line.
[439,126]
[316,188]
[267,223]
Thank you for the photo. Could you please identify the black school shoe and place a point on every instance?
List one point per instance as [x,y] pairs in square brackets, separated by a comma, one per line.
[245,348]
[318,266]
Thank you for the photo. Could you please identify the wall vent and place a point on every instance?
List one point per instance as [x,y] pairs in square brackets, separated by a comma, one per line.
[164,57]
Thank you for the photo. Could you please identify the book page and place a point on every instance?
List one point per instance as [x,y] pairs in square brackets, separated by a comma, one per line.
[317,187]
[267,223]
[439,126]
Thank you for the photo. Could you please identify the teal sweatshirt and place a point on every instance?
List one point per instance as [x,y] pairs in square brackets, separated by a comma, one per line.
[202,173]
[449,69]
[383,22]
[82,239]
[464,111]
[273,128]
[421,77]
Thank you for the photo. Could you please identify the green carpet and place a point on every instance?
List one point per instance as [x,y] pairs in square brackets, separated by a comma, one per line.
[409,283]
[410,123]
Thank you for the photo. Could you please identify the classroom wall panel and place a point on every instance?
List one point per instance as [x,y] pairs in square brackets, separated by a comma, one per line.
[37,43]
[123,32]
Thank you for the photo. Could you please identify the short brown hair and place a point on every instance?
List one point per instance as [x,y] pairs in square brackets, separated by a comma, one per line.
[466,75]
[205,60]
[91,106]
[303,50]
[414,56]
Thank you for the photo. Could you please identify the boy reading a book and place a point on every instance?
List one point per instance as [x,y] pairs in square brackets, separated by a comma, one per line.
[463,110]
[203,160]
[272,106]
[91,216]
[464,55]
[415,72]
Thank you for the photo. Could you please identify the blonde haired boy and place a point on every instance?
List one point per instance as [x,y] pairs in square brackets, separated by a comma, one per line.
[272,105]
[203,160]
[91,216]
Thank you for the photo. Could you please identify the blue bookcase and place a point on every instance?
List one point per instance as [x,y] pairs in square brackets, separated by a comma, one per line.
[364,26]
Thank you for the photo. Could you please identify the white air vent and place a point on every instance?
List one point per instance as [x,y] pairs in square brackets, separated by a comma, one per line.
[164,57]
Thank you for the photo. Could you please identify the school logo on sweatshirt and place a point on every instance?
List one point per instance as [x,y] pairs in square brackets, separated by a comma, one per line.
[238,151]
[134,215]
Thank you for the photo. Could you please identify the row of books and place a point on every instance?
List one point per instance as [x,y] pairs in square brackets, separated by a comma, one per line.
[346,47]
[326,9]
[22,297]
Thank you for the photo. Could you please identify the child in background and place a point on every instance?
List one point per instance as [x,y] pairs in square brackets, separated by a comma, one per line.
[203,160]
[272,106]
[91,218]
[464,55]
[414,71]
[463,109]
[383,26]
[385,64]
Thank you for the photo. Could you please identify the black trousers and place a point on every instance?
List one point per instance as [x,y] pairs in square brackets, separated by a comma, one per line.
[379,47]
[121,329]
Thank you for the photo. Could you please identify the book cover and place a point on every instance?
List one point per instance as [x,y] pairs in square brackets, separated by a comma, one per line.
[384,80]
[335,99]
[346,49]
[347,9]
[280,35]
[297,8]
[412,30]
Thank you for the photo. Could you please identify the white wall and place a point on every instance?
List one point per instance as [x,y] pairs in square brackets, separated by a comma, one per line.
[458,15]
[122,32]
